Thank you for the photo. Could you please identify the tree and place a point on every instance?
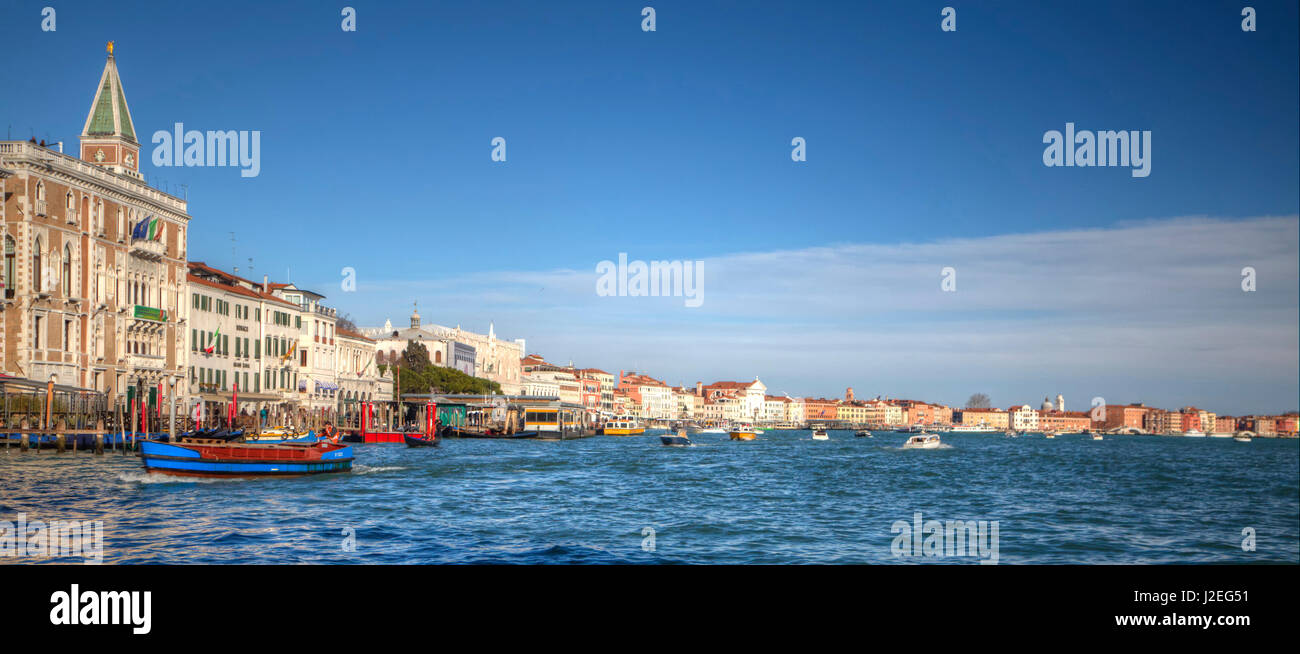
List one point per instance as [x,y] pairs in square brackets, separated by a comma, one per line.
[415,358]
[345,322]
[978,401]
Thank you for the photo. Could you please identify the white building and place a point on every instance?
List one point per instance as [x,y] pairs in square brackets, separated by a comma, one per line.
[493,359]
[1023,418]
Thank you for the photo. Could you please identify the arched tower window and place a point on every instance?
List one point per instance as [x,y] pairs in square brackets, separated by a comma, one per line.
[36,266]
[9,278]
[67,271]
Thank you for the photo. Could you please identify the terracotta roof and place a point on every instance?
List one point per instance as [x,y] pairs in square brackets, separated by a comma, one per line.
[238,290]
[348,333]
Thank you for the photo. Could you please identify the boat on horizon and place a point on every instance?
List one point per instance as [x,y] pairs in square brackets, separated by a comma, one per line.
[922,442]
[221,459]
[1195,433]
[743,433]
[623,426]
[973,429]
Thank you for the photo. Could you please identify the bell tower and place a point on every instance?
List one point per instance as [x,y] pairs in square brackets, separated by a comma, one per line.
[108,139]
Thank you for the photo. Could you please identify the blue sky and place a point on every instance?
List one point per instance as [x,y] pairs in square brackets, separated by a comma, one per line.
[676,145]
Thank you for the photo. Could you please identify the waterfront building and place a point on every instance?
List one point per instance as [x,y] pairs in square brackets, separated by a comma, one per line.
[689,405]
[1225,424]
[494,359]
[1125,415]
[750,394]
[317,349]
[884,412]
[818,409]
[1023,418]
[590,389]
[540,384]
[854,412]
[358,373]
[1157,421]
[606,383]
[1064,421]
[774,409]
[94,268]
[794,411]
[1285,425]
[918,413]
[231,323]
[1261,425]
[655,396]
[995,418]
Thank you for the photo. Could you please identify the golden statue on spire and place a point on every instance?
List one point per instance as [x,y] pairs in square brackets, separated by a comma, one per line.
[110,48]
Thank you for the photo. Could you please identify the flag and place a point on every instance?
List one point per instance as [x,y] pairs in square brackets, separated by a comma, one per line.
[155,229]
[212,343]
[138,232]
[289,355]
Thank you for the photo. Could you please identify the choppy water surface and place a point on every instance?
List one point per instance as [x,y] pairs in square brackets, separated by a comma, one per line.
[781,499]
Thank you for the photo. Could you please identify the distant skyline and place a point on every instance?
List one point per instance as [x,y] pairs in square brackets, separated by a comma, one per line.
[924,150]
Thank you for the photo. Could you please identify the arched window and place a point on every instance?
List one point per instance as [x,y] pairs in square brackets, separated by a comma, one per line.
[68,202]
[9,266]
[67,271]
[36,266]
[40,190]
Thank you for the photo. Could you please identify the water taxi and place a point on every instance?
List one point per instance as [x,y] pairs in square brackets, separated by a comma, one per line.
[623,426]
[676,440]
[1242,438]
[1010,433]
[820,435]
[1195,433]
[204,458]
[862,433]
[922,442]
[1049,434]
[1096,436]
[973,429]
[743,433]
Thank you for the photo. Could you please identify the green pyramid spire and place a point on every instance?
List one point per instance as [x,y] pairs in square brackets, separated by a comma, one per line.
[109,115]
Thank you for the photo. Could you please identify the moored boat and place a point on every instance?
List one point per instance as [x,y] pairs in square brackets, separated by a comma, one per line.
[219,459]
[743,433]
[922,442]
[623,426]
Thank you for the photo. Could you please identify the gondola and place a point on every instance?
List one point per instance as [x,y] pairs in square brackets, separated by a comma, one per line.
[462,432]
[413,440]
[242,460]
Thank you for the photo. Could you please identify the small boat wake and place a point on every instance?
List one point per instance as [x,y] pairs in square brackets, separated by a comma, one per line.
[363,469]
[143,477]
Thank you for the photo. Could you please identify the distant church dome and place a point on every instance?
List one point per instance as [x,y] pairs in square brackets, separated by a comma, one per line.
[415,316]
[1047,405]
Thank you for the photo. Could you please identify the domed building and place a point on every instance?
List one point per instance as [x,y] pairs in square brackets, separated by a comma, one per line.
[1047,405]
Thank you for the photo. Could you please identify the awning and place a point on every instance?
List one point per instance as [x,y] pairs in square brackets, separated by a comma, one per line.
[326,386]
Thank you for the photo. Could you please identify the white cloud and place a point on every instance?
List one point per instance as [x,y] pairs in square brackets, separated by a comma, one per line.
[1148,311]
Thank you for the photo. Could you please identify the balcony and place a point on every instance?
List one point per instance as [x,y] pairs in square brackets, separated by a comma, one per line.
[146,361]
[150,250]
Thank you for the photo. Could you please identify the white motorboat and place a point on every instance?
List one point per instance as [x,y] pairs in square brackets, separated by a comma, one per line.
[1096,436]
[820,435]
[1195,433]
[1241,438]
[922,442]
[862,433]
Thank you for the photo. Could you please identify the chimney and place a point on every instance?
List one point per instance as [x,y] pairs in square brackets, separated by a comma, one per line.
[266,283]
[699,388]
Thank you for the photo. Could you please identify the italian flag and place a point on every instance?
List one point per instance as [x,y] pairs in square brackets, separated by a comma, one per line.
[212,342]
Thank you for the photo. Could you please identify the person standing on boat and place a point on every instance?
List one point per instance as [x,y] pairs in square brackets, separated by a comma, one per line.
[329,433]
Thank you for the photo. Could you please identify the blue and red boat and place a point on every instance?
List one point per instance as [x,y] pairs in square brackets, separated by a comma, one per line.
[209,459]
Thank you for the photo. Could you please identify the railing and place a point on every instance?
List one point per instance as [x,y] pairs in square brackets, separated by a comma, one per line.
[146,361]
[23,148]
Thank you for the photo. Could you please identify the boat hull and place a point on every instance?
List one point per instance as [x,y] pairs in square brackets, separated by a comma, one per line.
[243,460]
[417,441]
[623,431]
[675,441]
[743,435]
